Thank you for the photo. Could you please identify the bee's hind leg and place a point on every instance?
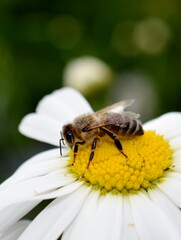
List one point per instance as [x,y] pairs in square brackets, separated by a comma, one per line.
[115,138]
[76,147]
[93,147]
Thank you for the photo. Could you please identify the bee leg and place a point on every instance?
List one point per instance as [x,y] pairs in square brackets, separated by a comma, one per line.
[115,138]
[93,147]
[76,149]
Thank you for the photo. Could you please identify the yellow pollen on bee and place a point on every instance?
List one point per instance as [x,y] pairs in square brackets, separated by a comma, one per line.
[148,160]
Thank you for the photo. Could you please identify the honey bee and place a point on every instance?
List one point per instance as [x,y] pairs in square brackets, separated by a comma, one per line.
[112,121]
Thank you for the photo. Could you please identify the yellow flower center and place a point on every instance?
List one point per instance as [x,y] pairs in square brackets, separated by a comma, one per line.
[148,160]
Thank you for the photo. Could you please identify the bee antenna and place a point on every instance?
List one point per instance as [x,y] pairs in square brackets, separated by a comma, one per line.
[60,144]
[61,140]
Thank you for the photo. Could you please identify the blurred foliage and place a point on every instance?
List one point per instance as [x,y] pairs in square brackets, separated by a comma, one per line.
[38,38]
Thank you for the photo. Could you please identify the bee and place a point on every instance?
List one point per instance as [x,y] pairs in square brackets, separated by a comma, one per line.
[112,121]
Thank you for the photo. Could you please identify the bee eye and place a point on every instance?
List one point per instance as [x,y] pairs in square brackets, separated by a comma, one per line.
[69,136]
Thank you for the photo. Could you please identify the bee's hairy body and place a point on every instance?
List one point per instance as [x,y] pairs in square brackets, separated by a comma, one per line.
[88,128]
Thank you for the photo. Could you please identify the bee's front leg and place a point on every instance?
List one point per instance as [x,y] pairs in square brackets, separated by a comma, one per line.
[76,149]
[93,147]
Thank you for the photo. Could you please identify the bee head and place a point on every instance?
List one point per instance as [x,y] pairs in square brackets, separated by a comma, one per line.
[68,134]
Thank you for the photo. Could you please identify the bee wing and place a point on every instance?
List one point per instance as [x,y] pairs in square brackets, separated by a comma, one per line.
[116,107]
[113,114]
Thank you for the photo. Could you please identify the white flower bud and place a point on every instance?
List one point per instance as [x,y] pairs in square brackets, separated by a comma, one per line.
[87,74]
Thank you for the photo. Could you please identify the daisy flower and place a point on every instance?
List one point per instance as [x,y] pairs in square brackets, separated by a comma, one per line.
[116,198]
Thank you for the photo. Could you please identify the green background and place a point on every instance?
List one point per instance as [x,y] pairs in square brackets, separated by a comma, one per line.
[38,39]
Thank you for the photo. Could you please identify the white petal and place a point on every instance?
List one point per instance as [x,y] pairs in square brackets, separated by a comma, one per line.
[174,176]
[17,180]
[176,167]
[53,112]
[173,212]
[46,155]
[177,156]
[114,217]
[36,170]
[99,218]
[176,161]
[15,231]
[165,118]
[168,125]
[60,192]
[176,143]
[29,189]
[63,105]
[38,165]
[53,220]
[41,128]
[13,213]
[150,220]
[172,187]
[108,219]
[129,230]
[83,224]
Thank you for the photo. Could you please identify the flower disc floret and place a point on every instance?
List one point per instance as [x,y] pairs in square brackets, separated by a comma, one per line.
[148,160]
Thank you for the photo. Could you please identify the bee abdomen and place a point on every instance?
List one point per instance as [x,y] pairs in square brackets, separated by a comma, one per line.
[131,128]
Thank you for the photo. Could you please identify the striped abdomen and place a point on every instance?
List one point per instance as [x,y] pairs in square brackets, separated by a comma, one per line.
[131,128]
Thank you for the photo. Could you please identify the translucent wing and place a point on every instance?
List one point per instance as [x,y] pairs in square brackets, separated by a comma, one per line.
[112,115]
[116,107]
